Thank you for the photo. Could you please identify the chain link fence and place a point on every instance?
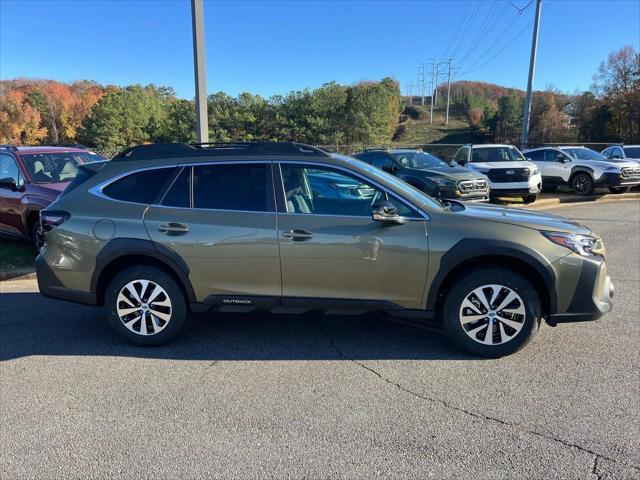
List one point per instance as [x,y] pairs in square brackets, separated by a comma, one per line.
[445,151]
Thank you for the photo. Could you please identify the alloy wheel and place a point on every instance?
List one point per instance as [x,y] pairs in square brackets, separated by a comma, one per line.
[143,307]
[492,314]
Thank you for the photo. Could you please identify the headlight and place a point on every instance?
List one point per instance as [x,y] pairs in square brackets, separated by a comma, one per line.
[534,171]
[612,169]
[584,245]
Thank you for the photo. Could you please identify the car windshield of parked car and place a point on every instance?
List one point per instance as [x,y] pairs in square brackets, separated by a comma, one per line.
[496,154]
[418,160]
[584,154]
[632,152]
[56,167]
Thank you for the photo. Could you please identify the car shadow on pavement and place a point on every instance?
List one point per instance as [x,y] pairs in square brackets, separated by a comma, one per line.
[31,324]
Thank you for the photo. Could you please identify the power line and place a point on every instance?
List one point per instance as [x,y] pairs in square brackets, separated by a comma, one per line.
[456,34]
[466,28]
[484,27]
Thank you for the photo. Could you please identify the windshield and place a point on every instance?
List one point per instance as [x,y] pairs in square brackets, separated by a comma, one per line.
[418,160]
[496,154]
[632,152]
[584,154]
[56,167]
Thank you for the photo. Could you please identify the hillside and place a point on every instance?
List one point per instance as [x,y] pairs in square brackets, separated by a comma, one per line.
[414,131]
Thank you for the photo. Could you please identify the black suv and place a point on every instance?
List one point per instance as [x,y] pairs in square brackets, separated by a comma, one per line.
[430,174]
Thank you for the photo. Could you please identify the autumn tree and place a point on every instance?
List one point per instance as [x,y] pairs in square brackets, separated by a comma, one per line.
[19,121]
[617,83]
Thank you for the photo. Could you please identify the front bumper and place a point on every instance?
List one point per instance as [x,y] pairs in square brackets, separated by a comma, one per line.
[506,189]
[616,180]
[593,295]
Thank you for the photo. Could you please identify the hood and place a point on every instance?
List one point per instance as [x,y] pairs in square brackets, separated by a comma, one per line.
[49,189]
[454,173]
[523,218]
[485,165]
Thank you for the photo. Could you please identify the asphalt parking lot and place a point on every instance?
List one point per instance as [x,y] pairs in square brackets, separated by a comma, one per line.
[316,396]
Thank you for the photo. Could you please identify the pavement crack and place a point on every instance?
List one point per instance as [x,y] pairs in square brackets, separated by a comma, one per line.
[594,469]
[472,414]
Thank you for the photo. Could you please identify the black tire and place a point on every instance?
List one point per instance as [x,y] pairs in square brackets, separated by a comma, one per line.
[529,198]
[619,189]
[464,286]
[36,237]
[178,312]
[582,184]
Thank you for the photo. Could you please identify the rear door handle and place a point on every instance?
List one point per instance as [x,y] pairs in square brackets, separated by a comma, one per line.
[297,234]
[173,228]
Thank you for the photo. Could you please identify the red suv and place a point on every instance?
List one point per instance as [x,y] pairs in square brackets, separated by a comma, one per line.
[30,179]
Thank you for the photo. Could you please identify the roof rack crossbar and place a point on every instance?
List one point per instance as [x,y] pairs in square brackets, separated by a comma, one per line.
[163,150]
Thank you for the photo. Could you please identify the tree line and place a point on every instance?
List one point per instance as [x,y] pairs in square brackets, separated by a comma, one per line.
[608,112]
[110,117]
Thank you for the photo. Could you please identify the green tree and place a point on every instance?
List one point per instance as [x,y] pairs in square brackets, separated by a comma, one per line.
[509,118]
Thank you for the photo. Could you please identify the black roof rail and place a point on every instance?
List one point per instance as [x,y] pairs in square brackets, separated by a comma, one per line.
[164,150]
[7,146]
[70,145]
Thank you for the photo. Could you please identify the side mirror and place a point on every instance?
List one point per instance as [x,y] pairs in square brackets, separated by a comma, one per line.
[9,183]
[386,212]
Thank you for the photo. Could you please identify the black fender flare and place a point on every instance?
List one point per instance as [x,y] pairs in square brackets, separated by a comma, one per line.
[581,168]
[120,247]
[470,248]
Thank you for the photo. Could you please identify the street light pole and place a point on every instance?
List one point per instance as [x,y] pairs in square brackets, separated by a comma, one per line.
[199,64]
[524,137]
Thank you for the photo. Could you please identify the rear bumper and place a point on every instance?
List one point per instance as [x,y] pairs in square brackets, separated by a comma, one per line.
[593,296]
[50,286]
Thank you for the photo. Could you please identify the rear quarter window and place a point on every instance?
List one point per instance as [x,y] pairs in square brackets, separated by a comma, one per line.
[140,187]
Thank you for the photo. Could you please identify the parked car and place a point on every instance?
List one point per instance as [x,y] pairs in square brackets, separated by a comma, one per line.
[583,169]
[623,152]
[30,179]
[430,174]
[509,174]
[162,231]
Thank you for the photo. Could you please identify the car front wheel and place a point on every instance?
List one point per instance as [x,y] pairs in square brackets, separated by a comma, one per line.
[146,306]
[582,184]
[529,198]
[491,312]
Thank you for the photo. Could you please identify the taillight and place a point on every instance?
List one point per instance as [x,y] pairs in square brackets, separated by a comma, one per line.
[50,219]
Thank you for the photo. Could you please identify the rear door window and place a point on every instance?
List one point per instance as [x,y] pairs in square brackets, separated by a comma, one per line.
[140,187]
[239,186]
[179,193]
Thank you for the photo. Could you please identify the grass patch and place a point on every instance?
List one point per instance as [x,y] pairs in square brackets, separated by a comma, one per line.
[14,255]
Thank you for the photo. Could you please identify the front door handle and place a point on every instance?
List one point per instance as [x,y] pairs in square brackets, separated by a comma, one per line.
[173,228]
[297,234]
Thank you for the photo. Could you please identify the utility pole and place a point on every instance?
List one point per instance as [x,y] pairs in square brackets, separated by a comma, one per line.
[199,69]
[524,137]
[435,92]
[448,92]
[433,75]
[421,81]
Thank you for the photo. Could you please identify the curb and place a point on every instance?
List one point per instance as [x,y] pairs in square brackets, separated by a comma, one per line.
[569,200]
[19,274]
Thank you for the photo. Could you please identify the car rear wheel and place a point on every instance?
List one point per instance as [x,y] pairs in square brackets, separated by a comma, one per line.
[582,184]
[619,189]
[37,237]
[491,312]
[146,306]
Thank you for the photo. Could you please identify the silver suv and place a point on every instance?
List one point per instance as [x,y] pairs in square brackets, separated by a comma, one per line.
[583,170]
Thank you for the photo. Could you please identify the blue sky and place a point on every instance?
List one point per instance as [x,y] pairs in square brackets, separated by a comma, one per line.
[273,47]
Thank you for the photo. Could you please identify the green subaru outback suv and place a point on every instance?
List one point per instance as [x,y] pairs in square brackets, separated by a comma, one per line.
[161,231]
